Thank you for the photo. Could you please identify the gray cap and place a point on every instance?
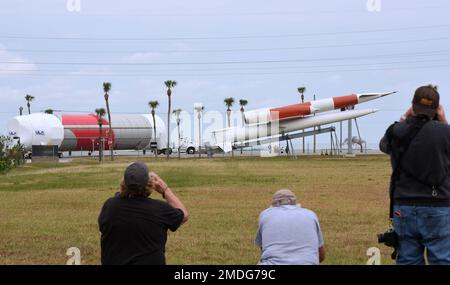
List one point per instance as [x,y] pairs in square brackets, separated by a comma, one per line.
[284,197]
[136,176]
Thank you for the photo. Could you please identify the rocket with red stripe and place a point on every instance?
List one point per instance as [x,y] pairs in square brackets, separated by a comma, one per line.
[309,108]
[274,122]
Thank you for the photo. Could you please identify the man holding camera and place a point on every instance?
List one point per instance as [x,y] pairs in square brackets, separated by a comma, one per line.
[419,146]
[134,226]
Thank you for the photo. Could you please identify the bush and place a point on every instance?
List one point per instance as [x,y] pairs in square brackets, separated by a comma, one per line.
[11,155]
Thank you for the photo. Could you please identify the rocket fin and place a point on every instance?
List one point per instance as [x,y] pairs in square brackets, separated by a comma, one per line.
[227,147]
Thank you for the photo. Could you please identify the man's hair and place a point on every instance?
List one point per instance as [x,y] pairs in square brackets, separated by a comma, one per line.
[128,192]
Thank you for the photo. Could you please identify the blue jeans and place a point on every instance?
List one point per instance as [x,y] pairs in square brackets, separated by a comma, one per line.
[421,228]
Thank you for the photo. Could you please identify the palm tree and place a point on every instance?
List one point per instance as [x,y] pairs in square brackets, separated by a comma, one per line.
[49,111]
[177,113]
[106,89]
[100,114]
[243,103]
[199,108]
[170,84]
[153,105]
[302,90]
[29,98]
[229,103]
[20,110]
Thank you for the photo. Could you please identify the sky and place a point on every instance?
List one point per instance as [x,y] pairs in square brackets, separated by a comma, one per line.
[61,51]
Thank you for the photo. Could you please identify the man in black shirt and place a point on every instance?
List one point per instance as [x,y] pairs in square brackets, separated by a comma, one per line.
[420,187]
[133,226]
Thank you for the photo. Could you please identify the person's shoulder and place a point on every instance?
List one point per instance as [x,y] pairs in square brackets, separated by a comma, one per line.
[158,204]
[439,125]
[309,213]
[114,199]
[267,211]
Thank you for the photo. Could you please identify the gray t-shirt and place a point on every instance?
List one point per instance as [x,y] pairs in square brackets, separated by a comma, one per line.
[289,235]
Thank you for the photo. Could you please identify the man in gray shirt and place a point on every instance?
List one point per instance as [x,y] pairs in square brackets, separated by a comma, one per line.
[289,234]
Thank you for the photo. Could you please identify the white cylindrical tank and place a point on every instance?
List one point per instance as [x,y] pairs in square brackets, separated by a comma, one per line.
[36,129]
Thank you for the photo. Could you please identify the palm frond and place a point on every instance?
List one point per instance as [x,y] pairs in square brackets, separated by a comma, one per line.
[301,90]
[101,112]
[106,87]
[229,101]
[153,104]
[243,102]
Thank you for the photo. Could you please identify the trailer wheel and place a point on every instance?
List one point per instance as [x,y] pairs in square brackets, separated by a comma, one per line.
[190,150]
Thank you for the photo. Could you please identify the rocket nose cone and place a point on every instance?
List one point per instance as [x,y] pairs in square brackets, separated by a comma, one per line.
[388,93]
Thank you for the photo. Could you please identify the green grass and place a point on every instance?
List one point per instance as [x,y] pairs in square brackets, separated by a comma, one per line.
[46,208]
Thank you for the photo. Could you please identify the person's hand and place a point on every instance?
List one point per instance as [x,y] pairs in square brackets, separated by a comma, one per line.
[441,114]
[408,114]
[158,184]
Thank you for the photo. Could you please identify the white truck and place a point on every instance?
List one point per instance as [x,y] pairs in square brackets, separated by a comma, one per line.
[186,146]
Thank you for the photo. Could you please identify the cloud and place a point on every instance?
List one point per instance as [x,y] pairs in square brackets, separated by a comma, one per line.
[142,57]
[13,68]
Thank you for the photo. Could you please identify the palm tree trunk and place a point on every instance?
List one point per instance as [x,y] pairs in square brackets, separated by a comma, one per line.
[168,127]
[110,136]
[229,126]
[154,131]
[100,144]
[243,125]
[29,110]
[179,142]
[199,136]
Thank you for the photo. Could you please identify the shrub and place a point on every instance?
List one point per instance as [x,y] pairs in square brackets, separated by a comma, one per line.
[11,155]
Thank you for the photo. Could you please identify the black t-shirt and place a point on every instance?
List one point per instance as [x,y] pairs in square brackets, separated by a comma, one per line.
[134,230]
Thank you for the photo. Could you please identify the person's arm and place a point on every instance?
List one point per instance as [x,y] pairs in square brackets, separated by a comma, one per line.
[409,113]
[321,254]
[162,188]
[386,141]
[321,241]
[441,115]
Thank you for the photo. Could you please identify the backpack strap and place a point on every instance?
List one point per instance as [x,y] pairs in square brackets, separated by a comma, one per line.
[400,148]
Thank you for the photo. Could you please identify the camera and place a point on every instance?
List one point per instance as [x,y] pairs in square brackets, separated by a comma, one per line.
[388,238]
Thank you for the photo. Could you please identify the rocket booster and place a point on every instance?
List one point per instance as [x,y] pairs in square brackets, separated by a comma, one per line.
[309,108]
[224,138]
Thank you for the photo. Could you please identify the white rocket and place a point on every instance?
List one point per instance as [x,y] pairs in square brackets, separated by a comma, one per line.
[263,123]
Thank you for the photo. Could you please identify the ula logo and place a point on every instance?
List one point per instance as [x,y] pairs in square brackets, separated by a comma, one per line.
[12,133]
[40,133]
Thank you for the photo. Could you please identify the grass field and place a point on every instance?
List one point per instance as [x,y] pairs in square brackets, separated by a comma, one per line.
[47,208]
